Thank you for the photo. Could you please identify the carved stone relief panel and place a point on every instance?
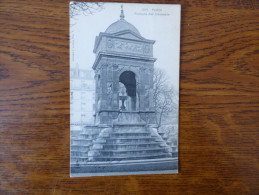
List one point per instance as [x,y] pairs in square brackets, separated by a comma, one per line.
[127,46]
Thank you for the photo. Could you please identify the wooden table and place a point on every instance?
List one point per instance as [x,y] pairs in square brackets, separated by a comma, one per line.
[219,102]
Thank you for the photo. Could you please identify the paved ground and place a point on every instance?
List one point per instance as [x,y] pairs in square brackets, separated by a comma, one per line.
[121,168]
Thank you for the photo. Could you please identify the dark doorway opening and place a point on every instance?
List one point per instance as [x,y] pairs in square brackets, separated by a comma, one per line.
[128,91]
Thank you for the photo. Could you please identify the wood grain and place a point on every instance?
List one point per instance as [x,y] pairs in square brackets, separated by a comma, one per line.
[219,102]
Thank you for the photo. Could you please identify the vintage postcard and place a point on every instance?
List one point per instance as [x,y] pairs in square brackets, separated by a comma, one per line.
[124,88]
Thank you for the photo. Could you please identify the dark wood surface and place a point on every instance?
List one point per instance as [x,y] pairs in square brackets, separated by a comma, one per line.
[219,102]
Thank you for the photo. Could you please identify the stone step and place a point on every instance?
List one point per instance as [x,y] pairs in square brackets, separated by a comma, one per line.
[81,142]
[129,125]
[131,152]
[74,160]
[130,146]
[82,139]
[135,140]
[130,129]
[87,136]
[79,148]
[125,135]
[141,157]
[78,154]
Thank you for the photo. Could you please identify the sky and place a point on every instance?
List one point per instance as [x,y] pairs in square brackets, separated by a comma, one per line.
[159,22]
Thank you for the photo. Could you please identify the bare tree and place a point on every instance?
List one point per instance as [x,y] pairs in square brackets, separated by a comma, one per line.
[86,8]
[164,96]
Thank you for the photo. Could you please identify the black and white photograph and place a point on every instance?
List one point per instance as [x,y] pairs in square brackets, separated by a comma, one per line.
[124,88]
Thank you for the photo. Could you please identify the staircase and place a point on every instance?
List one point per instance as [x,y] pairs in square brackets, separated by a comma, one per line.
[127,142]
[81,144]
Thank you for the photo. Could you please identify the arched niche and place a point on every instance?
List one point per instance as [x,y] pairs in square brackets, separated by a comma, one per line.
[128,91]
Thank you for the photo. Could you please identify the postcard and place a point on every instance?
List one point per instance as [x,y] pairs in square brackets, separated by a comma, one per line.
[124,88]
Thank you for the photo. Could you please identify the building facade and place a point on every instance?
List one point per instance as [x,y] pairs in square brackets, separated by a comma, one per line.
[82,97]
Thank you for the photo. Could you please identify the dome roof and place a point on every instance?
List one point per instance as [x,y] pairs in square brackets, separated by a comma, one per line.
[121,25]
